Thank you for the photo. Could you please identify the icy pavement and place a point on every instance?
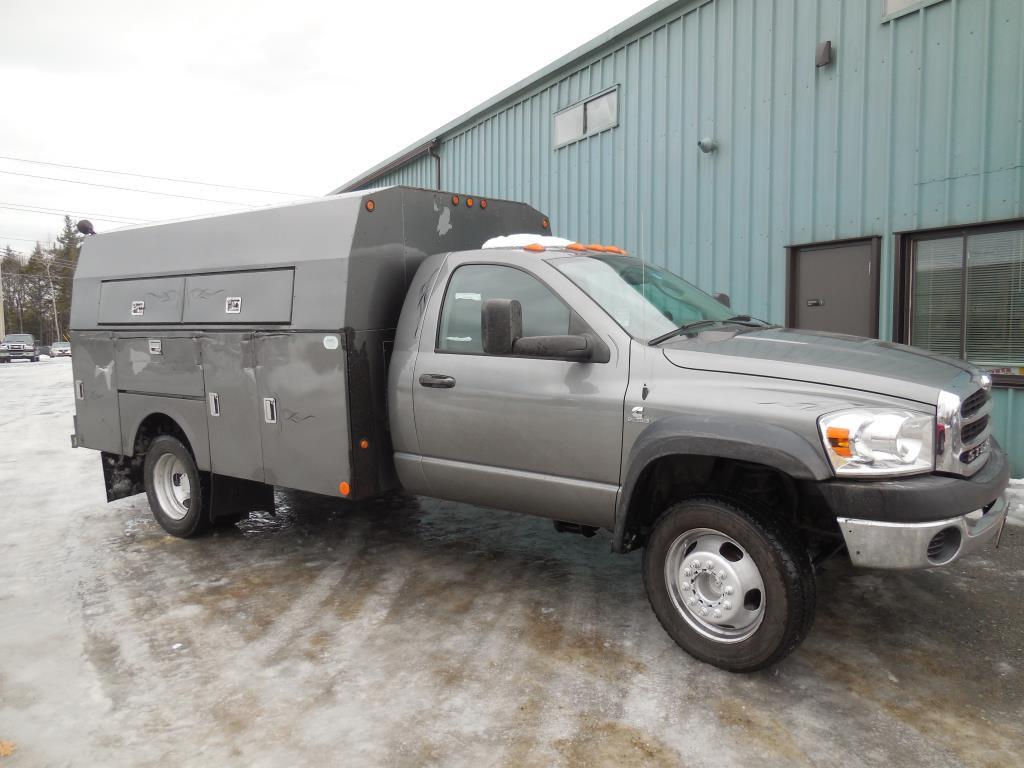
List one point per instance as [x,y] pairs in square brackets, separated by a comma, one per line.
[411,632]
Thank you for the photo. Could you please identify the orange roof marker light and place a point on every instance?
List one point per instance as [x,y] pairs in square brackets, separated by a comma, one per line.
[576,247]
[614,249]
[344,488]
[596,247]
[534,247]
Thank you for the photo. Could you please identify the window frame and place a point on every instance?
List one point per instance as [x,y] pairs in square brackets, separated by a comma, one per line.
[903,285]
[912,8]
[444,298]
[581,104]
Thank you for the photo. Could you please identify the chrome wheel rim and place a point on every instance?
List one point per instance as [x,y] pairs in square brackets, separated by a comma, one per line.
[172,486]
[715,585]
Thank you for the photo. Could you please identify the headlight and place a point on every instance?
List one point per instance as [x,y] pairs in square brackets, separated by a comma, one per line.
[868,442]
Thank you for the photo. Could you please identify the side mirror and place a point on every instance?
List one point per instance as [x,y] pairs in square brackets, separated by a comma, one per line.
[577,348]
[501,323]
[723,298]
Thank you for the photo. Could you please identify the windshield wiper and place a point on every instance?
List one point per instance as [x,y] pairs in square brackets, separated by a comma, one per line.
[737,319]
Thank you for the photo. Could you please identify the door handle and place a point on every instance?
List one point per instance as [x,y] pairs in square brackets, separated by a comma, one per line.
[270,410]
[214,401]
[437,381]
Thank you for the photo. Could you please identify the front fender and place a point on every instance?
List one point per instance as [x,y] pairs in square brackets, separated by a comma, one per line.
[723,436]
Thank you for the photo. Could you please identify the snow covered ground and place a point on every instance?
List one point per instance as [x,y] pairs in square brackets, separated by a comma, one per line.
[414,632]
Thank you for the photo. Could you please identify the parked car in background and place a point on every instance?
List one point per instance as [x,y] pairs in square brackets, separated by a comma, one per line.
[60,349]
[19,346]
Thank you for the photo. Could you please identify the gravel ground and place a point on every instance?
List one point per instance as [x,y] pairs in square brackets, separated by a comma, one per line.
[415,632]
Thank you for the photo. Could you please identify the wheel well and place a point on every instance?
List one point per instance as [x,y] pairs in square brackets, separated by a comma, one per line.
[152,427]
[670,479]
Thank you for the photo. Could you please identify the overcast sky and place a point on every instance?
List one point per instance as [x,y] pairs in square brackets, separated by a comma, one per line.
[295,96]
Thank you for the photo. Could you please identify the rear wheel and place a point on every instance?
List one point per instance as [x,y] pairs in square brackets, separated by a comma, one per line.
[732,588]
[179,494]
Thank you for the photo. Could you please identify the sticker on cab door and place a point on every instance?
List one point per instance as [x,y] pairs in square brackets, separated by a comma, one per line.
[138,308]
[233,305]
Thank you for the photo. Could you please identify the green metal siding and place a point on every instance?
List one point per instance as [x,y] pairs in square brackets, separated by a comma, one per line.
[918,123]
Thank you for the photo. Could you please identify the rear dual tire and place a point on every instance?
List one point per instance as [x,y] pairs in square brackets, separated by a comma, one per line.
[733,588]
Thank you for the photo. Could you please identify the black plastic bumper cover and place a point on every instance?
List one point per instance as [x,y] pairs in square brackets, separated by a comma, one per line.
[919,499]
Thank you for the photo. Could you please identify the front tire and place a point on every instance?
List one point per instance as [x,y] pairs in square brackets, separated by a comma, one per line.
[179,494]
[732,588]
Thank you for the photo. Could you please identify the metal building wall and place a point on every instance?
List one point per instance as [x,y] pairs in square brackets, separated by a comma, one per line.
[918,123]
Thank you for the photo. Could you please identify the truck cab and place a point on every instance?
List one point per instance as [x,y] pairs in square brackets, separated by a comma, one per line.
[414,340]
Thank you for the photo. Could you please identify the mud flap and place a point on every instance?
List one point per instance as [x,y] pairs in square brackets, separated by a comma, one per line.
[231,496]
[122,475]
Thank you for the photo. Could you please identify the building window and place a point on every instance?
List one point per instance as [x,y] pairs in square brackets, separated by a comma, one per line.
[593,115]
[965,290]
[892,9]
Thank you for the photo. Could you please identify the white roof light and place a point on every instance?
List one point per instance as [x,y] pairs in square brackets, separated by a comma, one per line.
[518,241]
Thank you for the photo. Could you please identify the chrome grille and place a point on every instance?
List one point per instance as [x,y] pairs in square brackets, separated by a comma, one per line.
[974,403]
[971,431]
[966,422]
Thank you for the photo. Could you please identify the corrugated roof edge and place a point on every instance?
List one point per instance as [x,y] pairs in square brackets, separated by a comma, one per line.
[417,148]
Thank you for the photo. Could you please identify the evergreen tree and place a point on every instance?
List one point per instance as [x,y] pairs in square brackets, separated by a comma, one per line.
[64,258]
[13,286]
[38,313]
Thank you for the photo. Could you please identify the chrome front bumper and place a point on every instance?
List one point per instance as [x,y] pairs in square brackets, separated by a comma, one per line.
[874,544]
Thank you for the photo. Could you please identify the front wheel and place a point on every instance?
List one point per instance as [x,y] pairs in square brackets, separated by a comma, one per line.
[733,589]
[179,494]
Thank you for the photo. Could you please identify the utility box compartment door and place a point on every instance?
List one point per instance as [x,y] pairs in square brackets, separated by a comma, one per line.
[303,410]
[159,364]
[141,302]
[263,296]
[97,420]
[233,406]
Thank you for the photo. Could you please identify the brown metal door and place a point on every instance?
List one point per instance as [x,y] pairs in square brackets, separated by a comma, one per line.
[834,287]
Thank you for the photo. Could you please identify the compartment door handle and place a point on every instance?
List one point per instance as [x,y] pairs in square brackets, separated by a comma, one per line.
[270,410]
[214,399]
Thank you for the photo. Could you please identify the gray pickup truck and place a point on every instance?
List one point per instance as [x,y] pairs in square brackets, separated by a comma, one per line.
[449,346]
[19,346]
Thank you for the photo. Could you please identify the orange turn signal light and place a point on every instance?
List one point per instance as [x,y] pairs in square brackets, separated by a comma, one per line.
[344,488]
[364,443]
[839,439]
[469,202]
[533,247]
[370,205]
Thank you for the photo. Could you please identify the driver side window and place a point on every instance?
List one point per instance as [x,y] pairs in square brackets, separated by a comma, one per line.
[471,285]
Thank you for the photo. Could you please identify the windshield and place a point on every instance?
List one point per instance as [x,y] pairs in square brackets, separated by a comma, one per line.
[645,300]
[18,338]
[61,344]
